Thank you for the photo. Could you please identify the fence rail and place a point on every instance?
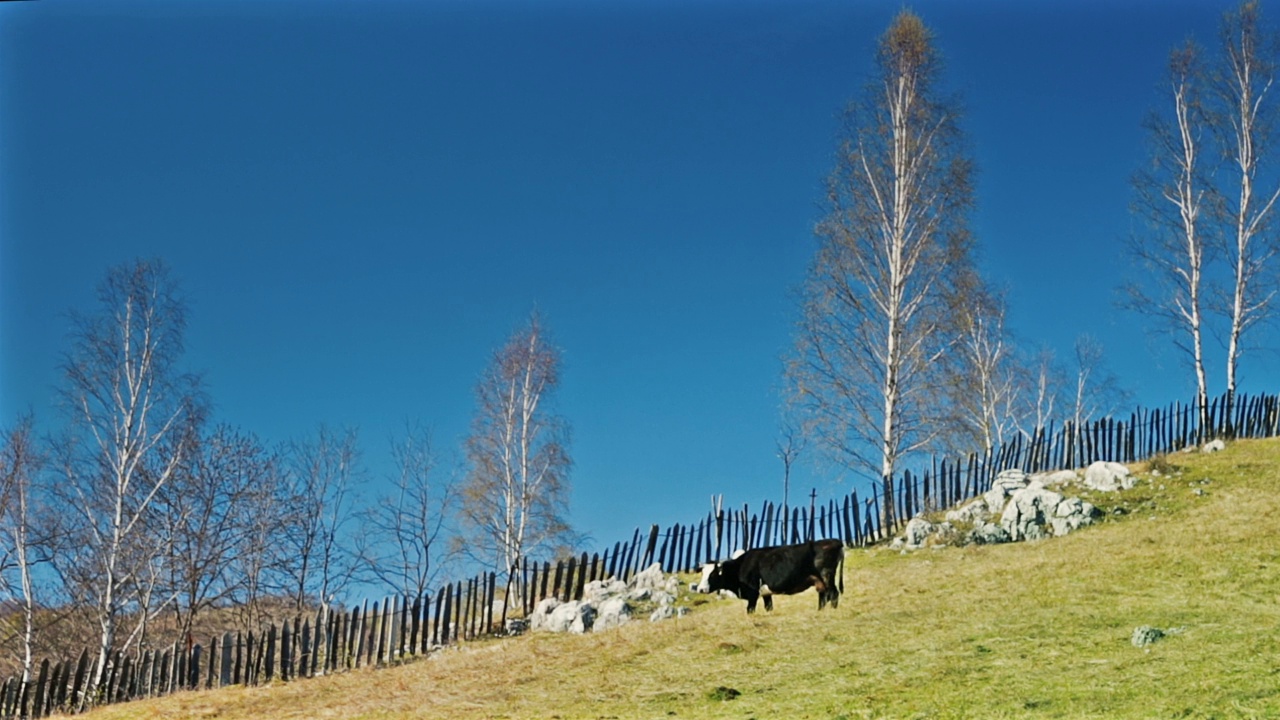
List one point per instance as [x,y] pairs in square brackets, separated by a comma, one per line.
[400,628]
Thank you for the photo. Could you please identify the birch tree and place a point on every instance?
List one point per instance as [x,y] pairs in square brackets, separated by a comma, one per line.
[20,539]
[125,395]
[1095,392]
[514,500]
[892,244]
[989,381]
[1175,197]
[1246,119]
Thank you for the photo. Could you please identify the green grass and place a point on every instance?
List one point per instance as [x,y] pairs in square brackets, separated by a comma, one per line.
[1012,631]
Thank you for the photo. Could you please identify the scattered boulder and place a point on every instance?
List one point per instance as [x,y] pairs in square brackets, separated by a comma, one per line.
[1055,479]
[1108,477]
[1025,505]
[614,612]
[1145,635]
[1214,446]
[1028,512]
[975,513]
[554,616]
[1006,483]
[989,534]
[652,579]
[918,531]
[608,604]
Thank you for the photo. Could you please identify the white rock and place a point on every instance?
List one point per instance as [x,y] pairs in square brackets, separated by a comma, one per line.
[989,534]
[599,590]
[1108,477]
[1028,511]
[1214,446]
[976,512]
[1061,477]
[614,612]
[918,531]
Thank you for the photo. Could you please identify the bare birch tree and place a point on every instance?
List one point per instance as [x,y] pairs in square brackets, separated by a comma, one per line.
[1246,118]
[1175,197]
[404,540]
[1043,398]
[895,238]
[1096,392]
[514,500]
[989,380]
[125,396]
[20,540]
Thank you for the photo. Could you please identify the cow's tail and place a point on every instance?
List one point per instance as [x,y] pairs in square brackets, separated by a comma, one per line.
[840,570]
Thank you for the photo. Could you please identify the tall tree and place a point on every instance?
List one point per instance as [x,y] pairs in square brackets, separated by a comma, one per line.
[1246,118]
[126,396]
[892,245]
[403,542]
[21,541]
[514,500]
[322,471]
[1174,196]
[205,513]
[1096,392]
[988,380]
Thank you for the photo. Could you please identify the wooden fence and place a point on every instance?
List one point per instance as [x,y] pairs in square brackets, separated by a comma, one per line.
[398,628]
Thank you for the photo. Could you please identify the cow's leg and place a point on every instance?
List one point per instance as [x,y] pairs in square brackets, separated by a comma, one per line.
[832,590]
[751,596]
[768,603]
[821,587]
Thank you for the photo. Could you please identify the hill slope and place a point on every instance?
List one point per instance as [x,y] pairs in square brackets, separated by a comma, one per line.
[1028,630]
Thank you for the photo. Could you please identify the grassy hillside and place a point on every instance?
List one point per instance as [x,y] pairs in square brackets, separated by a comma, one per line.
[1028,630]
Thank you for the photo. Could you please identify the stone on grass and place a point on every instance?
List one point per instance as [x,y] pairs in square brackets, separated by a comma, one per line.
[1144,635]
[614,612]
[1214,446]
[1028,512]
[1108,477]
[989,534]
[976,513]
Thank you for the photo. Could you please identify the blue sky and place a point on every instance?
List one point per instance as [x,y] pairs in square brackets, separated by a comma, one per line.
[363,199]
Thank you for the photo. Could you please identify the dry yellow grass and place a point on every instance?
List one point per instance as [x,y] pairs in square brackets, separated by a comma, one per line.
[1028,630]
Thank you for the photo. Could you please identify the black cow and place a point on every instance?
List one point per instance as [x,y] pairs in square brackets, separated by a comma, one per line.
[783,570]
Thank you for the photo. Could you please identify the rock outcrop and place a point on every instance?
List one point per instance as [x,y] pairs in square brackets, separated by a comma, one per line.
[607,604]
[1017,507]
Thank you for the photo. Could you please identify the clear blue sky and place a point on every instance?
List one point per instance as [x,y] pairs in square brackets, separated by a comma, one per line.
[363,199]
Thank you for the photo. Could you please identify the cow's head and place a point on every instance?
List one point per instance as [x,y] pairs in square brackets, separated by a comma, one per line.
[704,585]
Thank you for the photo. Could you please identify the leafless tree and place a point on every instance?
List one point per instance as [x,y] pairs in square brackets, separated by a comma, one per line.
[262,557]
[20,540]
[1096,392]
[989,379]
[404,540]
[1043,398]
[515,496]
[322,471]
[125,395]
[894,241]
[1246,117]
[1174,196]
[789,445]
[205,513]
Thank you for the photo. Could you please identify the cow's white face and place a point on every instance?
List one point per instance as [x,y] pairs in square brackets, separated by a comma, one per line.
[704,586]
